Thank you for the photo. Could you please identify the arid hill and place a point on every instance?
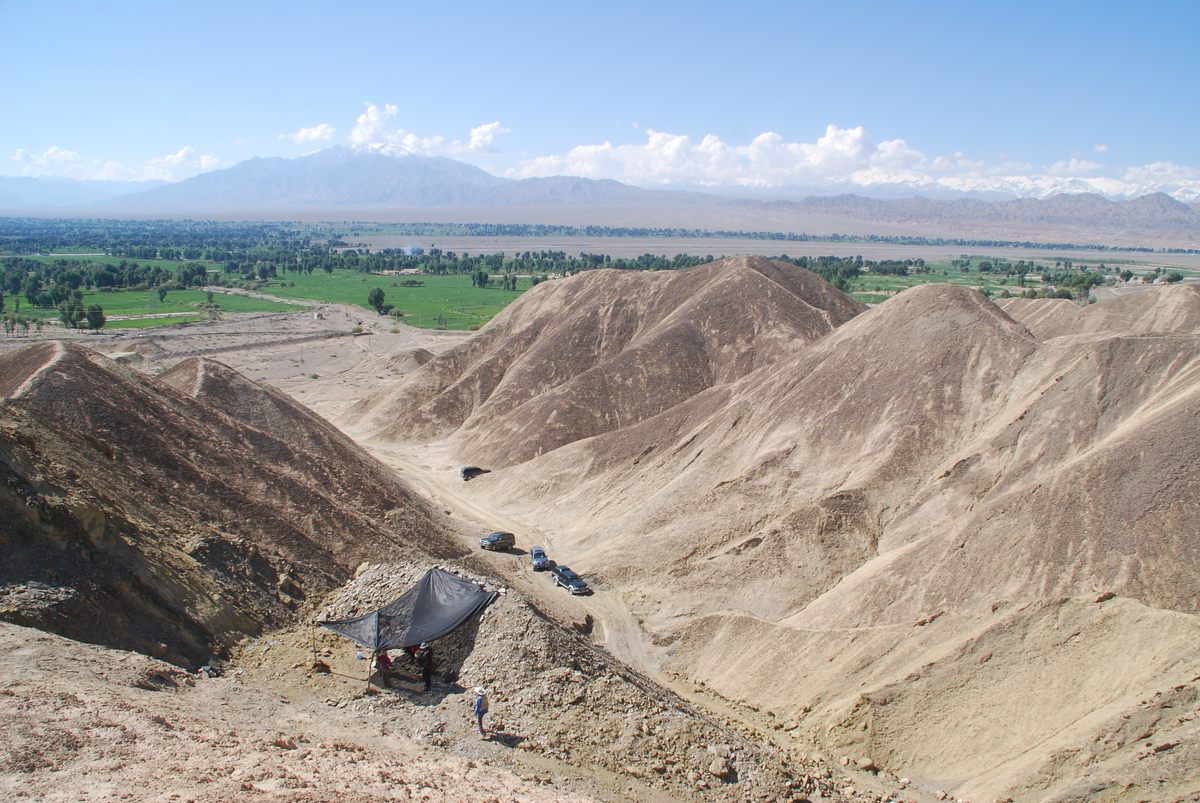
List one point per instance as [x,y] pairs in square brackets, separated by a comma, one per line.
[604,350]
[1170,310]
[937,538]
[172,516]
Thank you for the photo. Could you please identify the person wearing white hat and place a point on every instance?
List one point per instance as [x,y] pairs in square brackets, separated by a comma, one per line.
[481,708]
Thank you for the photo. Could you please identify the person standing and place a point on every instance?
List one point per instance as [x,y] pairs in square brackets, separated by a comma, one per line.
[427,667]
[481,708]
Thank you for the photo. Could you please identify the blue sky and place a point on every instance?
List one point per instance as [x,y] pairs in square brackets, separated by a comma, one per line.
[1024,98]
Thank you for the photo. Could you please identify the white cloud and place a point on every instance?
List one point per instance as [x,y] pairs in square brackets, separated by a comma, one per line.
[371,133]
[56,161]
[183,163]
[1162,172]
[111,171]
[896,153]
[370,124]
[484,136]
[53,161]
[766,161]
[1073,167]
[846,160]
[1100,147]
[317,133]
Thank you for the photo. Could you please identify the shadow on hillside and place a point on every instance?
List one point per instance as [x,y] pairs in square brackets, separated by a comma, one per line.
[507,739]
[450,652]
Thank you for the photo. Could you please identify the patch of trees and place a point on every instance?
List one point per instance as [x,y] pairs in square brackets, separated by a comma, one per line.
[19,325]
[48,284]
[375,298]
[251,252]
[842,271]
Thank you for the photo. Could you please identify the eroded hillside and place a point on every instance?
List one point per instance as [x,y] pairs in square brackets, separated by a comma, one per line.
[603,351]
[169,522]
[950,529]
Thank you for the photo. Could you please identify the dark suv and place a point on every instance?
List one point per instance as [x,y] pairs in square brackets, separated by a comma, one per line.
[471,472]
[497,541]
[567,579]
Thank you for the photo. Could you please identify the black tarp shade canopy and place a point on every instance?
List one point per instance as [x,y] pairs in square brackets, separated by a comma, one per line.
[438,603]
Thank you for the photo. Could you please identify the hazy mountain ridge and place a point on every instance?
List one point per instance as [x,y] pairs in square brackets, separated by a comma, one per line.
[1157,209]
[340,177]
[362,182]
[38,192]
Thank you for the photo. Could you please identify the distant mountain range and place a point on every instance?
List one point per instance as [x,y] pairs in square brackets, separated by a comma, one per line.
[341,177]
[17,192]
[359,183]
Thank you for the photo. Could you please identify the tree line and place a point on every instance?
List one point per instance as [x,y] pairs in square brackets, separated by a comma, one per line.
[222,240]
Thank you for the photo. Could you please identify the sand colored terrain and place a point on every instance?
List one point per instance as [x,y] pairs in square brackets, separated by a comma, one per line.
[953,536]
[574,359]
[120,725]
[179,514]
[173,515]
[86,722]
[934,535]
[1170,310]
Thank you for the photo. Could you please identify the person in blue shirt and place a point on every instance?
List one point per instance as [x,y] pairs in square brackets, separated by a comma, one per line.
[481,708]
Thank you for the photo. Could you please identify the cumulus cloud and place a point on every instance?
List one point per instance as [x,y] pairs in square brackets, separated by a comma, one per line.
[1100,147]
[484,136]
[374,132]
[843,159]
[766,161]
[1162,172]
[1073,167]
[317,133]
[371,133]
[370,124]
[56,161]
[182,163]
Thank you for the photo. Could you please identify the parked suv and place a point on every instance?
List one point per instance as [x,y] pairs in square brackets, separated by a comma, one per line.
[539,558]
[567,579]
[497,541]
[471,472]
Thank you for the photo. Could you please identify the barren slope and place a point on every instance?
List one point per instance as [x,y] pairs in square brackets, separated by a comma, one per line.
[925,488]
[1173,309]
[126,726]
[604,350]
[144,518]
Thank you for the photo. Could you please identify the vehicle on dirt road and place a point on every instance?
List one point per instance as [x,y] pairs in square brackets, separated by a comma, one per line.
[469,473]
[538,558]
[565,578]
[497,541]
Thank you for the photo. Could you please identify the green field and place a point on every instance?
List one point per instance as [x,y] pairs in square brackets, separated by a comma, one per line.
[872,289]
[165,264]
[438,301]
[145,302]
[146,323]
[448,302]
